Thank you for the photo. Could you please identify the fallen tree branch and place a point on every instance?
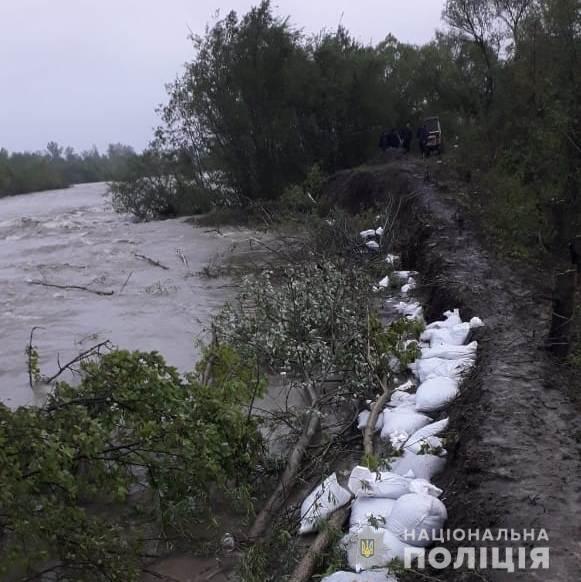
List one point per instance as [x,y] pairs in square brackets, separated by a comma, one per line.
[305,568]
[287,479]
[372,420]
[77,287]
[152,262]
[125,284]
[95,350]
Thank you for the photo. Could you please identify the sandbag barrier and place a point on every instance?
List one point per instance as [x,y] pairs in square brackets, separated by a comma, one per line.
[400,508]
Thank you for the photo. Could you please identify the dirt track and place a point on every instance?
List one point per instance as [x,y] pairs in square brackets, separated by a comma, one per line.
[518,459]
[517,462]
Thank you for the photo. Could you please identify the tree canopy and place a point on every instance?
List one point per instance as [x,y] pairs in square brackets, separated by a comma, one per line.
[261,103]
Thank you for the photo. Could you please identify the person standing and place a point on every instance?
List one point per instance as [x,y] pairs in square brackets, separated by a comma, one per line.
[393,139]
[423,138]
[406,138]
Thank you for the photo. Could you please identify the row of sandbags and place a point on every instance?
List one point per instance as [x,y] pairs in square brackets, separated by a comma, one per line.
[402,505]
[369,237]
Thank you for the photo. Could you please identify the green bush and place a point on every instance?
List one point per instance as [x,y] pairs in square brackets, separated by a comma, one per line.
[135,451]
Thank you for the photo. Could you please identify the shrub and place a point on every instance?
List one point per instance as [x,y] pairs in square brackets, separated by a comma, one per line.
[135,449]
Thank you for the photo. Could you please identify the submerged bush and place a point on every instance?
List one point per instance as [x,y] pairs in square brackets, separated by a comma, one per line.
[154,188]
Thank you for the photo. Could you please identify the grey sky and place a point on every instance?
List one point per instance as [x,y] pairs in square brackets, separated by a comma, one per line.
[86,72]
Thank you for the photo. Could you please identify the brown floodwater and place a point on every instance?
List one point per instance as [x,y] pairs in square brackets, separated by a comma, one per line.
[73,237]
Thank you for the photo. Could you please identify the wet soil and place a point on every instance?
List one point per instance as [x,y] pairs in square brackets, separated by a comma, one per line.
[517,461]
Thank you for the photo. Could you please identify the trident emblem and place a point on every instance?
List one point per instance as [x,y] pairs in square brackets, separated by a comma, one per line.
[367,548]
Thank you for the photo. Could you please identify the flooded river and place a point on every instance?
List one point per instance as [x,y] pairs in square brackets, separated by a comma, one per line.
[73,237]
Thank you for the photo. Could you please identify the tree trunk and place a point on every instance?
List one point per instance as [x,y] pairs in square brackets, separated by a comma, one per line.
[305,568]
[287,479]
[372,421]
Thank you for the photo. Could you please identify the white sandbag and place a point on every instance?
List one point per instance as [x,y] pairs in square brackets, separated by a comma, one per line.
[416,315]
[432,445]
[387,485]
[456,335]
[409,286]
[436,394]
[408,385]
[450,352]
[452,318]
[420,466]
[417,519]
[440,367]
[404,275]
[390,548]
[379,231]
[372,245]
[391,259]
[398,439]
[382,575]
[363,419]
[433,429]
[365,234]
[370,511]
[401,399]
[359,479]
[384,283]
[402,420]
[322,502]
[476,322]
[423,487]
[410,310]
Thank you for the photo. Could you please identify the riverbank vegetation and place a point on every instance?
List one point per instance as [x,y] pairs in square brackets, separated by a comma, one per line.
[57,167]
[136,462]
[262,102]
[130,463]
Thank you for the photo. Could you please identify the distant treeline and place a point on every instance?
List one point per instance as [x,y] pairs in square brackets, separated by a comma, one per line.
[59,167]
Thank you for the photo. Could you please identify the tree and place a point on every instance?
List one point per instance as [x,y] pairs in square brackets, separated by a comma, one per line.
[513,13]
[238,106]
[54,150]
[477,20]
[133,452]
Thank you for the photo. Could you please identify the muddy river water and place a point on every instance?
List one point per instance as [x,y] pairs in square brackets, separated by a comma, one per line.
[73,237]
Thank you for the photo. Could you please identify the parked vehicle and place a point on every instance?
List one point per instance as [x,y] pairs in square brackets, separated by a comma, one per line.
[434,139]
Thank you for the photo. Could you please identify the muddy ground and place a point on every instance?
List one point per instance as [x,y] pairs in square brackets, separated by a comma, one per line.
[517,462]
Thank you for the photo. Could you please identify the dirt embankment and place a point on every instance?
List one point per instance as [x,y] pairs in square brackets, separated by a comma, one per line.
[517,460]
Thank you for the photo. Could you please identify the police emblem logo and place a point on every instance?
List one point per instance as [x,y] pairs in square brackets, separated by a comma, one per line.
[367,548]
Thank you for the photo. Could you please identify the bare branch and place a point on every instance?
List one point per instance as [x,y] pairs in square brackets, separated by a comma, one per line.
[95,350]
[152,261]
[125,284]
[77,287]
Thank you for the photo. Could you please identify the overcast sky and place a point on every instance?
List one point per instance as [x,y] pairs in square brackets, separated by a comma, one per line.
[86,72]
